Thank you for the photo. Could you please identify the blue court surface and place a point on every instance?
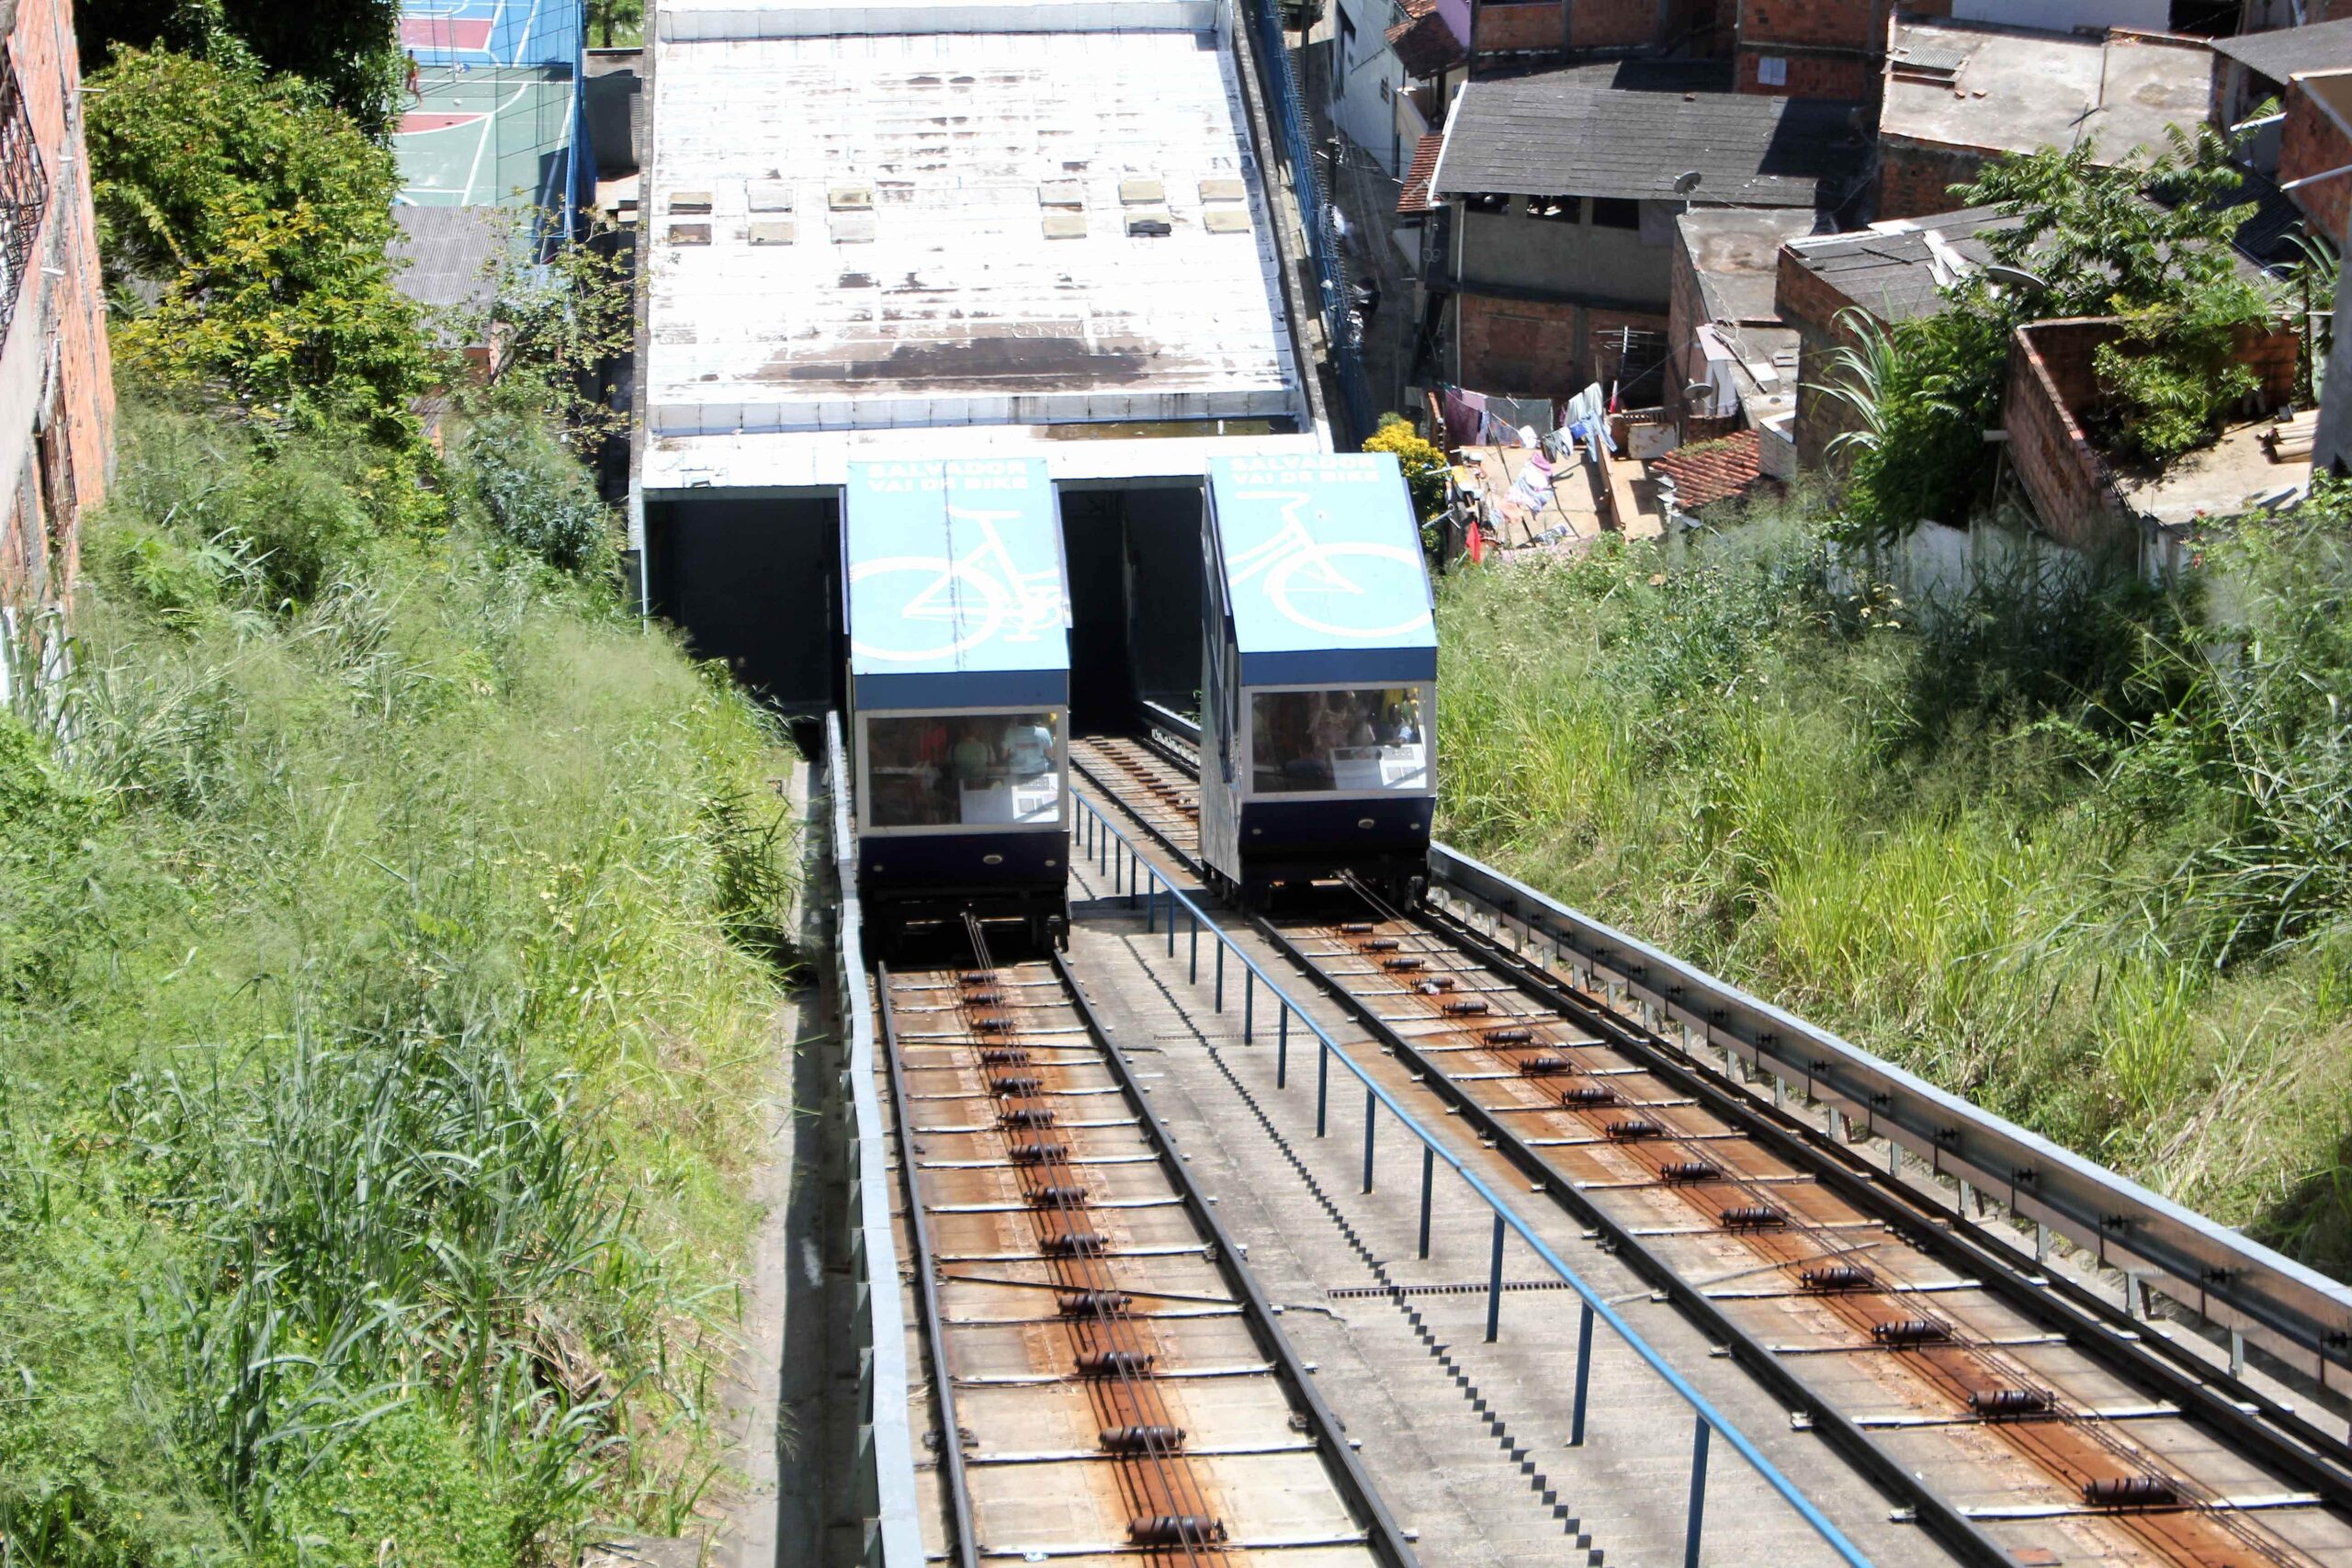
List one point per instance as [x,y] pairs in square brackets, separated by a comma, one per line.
[491,33]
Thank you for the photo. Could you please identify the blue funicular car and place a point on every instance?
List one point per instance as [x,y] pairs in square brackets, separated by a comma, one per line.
[958,613]
[1319,671]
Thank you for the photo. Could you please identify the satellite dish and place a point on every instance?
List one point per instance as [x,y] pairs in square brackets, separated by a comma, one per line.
[2016,277]
[1685,184]
[1698,390]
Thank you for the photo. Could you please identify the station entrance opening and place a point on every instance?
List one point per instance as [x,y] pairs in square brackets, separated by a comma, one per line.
[1135,586]
[755,583]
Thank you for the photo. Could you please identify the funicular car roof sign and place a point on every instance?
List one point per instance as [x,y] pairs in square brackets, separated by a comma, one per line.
[955,584]
[1322,565]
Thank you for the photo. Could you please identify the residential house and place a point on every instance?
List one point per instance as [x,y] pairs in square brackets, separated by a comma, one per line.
[1562,188]
[2315,150]
[1732,361]
[2254,68]
[1367,78]
[1892,272]
[1960,94]
[56,380]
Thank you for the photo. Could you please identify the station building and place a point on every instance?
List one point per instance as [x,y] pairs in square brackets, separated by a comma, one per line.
[979,231]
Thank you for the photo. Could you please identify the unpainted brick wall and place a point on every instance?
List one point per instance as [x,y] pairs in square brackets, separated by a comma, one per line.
[1851,76]
[2312,144]
[1810,306]
[2051,378]
[1914,178]
[59,317]
[1822,23]
[1615,24]
[1509,29]
[1534,349]
[1686,311]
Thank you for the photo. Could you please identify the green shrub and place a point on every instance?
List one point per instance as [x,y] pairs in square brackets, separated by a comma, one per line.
[536,498]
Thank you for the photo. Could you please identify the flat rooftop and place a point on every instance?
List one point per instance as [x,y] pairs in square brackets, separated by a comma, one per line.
[2008,90]
[1735,253]
[908,232]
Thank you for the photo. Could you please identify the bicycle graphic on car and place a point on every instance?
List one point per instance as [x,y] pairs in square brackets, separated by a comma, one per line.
[1294,549]
[973,597]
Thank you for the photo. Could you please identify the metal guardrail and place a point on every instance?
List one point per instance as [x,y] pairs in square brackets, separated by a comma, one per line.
[885,1467]
[1118,857]
[2295,1313]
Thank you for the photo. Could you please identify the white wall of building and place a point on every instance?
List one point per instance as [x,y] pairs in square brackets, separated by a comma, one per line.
[1365,79]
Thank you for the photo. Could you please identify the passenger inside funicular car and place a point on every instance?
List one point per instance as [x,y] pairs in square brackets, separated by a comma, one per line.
[941,771]
[1364,739]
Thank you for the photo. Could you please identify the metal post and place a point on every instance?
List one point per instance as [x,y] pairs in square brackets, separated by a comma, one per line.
[1322,1085]
[1282,1047]
[1171,919]
[1220,976]
[1495,1283]
[1584,1376]
[1150,899]
[1197,947]
[1428,1182]
[2237,1353]
[1370,1121]
[1249,1003]
[1698,1496]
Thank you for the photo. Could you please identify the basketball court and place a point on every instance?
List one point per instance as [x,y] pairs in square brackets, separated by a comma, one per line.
[491,121]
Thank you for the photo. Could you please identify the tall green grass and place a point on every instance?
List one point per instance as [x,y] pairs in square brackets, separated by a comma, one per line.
[390,934]
[2064,850]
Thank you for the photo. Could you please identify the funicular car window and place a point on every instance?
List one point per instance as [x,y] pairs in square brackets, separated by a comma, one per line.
[964,770]
[1362,740]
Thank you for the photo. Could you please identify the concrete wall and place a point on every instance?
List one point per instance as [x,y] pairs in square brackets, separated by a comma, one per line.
[2063,15]
[56,377]
[1582,260]
[2332,448]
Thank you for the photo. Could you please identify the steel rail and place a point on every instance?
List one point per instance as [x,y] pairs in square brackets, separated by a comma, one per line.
[2292,1312]
[951,1447]
[1386,1540]
[1157,890]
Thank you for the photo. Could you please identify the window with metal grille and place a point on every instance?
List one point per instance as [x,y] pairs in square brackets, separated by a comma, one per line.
[24,194]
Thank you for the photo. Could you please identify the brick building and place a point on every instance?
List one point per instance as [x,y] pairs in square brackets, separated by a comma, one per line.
[2315,150]
[1562,189]
[1812,49]
[56,379]
[1959,94]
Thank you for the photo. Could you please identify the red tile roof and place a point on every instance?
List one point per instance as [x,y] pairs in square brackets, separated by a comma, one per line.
[1425,45]
[1414,198]
[1712,470]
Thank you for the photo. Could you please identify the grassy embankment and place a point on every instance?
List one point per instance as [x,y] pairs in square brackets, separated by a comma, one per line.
[387,972]
[2043,853]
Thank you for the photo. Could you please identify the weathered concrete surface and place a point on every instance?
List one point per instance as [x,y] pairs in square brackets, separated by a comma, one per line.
[1469,1441]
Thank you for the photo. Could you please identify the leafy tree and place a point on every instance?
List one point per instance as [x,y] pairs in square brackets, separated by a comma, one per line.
[1423,463]
[2148,238]
[562,324]
[263,219]
[345,50]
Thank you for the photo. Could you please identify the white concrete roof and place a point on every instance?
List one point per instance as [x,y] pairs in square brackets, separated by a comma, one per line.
[946,303]
[813,460]
[687,20]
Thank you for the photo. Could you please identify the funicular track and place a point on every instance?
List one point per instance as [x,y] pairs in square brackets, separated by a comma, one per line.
[1110,1385]
[2021,1420]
